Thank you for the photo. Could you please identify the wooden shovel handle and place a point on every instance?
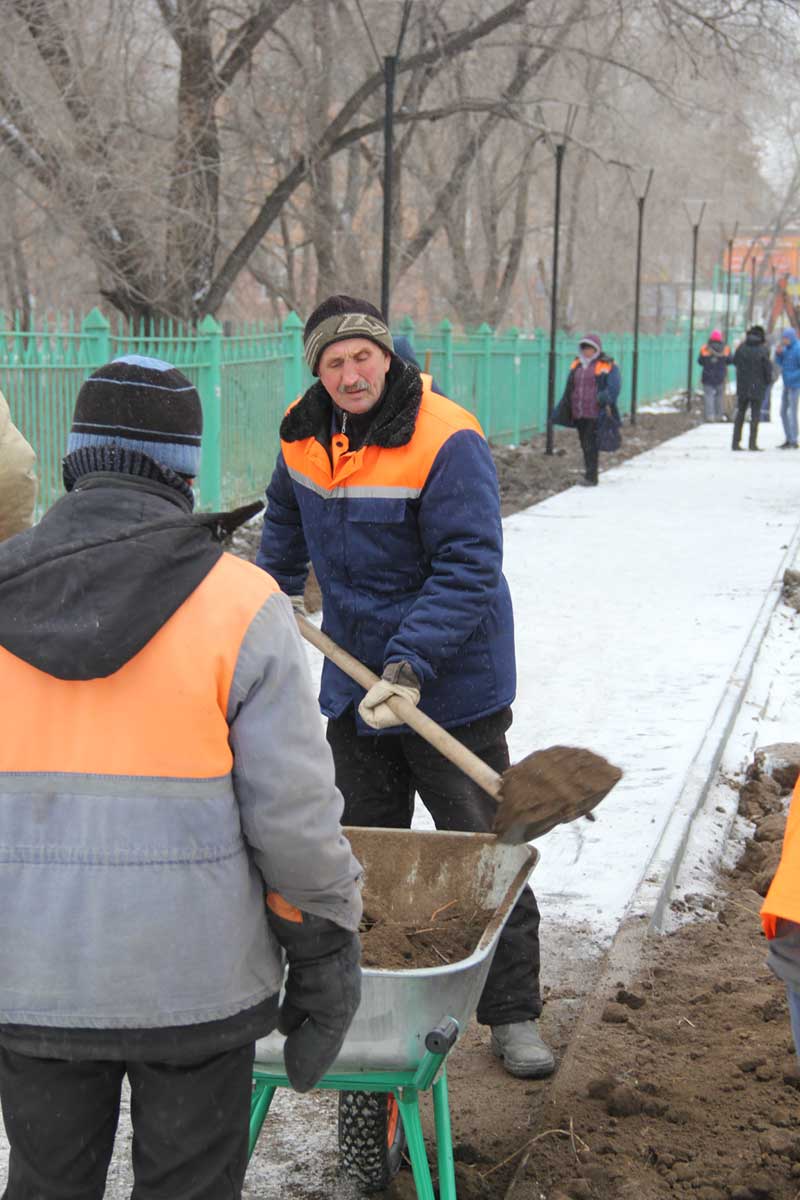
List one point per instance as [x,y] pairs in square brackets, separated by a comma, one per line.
[408,713]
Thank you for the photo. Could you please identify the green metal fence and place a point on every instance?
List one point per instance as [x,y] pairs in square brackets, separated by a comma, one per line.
[247,377]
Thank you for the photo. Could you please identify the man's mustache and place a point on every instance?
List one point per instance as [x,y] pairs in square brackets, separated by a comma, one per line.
[361,386]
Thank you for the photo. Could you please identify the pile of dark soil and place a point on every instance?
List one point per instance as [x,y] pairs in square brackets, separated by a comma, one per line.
[449,934]
[695,1086]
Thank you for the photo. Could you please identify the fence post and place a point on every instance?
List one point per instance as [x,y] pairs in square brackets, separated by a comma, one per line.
[210,388]
[484,404]
[516,370]
[292,329]
[407,328]
[447,353]
[96,339]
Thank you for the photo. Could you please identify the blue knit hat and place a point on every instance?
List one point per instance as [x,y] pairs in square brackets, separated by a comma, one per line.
[142,404]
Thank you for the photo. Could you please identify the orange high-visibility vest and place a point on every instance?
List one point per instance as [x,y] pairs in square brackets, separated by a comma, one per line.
[783,897]
[164,713]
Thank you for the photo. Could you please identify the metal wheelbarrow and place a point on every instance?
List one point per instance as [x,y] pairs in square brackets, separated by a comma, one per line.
[408,1020]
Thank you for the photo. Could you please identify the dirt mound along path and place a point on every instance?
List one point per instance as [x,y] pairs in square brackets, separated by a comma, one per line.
[694,1088]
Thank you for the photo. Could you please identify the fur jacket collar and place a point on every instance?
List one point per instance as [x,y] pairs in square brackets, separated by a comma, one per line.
[394,421]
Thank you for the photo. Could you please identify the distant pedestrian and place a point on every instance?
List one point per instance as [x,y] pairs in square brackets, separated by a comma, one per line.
[590,396]
[17,477]
[788,358]
[753,374]
[714,358]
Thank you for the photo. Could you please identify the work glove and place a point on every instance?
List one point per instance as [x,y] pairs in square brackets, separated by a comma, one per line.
[323,991]
[398,680]
[299,604]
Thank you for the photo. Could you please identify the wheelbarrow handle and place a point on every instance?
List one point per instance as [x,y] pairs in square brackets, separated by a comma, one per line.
[442,1039]
[409,714]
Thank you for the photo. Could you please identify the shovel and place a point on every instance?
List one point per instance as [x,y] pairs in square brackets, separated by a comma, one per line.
[547,788]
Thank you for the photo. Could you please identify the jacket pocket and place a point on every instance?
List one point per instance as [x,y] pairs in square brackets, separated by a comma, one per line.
[373,510]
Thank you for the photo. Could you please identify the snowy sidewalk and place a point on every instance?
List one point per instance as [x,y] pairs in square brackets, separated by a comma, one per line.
[634,602]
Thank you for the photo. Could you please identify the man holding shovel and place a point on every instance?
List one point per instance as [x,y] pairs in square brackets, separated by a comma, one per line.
[390,491]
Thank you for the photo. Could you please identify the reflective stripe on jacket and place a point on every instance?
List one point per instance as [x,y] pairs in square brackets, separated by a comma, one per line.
[406,543]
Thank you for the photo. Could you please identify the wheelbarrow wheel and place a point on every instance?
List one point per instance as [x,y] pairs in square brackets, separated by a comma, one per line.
[371,1138]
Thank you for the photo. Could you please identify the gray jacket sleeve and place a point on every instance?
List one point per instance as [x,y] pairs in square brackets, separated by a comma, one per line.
[283,772]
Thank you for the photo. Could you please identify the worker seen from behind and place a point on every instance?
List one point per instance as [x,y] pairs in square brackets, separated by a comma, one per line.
[390,491]
[714,358]
[170,819]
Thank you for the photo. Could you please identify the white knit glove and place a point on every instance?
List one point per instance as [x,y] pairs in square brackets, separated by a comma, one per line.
[299,604]
[398,680]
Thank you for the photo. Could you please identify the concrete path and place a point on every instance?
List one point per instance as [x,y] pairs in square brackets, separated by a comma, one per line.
[640,606]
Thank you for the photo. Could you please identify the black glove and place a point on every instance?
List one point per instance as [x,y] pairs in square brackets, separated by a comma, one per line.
[323,991]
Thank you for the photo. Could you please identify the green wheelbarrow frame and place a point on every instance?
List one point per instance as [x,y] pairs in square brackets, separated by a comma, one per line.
[431,1073]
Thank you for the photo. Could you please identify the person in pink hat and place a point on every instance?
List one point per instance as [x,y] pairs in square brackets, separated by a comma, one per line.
[714,358]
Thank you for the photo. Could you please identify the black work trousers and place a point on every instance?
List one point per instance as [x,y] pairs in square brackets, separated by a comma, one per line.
[190,1126]
[742,406]
[587,432]
[378,777]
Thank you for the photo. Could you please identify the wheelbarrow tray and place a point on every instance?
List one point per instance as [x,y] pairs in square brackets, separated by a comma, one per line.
[412,873]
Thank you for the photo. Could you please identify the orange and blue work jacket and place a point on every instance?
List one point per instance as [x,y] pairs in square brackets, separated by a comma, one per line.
[406,541]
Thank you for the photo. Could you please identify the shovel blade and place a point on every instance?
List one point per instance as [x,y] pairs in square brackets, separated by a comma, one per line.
[551,787]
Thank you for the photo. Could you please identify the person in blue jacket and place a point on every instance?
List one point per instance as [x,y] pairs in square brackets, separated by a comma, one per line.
[788,357]
[390,491]
[404,349]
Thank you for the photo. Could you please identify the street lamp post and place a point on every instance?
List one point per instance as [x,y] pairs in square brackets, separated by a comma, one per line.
[389,73]
[561,150]
[388,66]
[637,296]
[751,310]
[695,232]
[728,288]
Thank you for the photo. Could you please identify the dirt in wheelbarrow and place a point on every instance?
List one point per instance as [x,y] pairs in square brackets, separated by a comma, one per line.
[694,1088]
[449,934]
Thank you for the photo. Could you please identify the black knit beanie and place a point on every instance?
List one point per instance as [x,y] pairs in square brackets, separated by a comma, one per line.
[340,317]
[141,404]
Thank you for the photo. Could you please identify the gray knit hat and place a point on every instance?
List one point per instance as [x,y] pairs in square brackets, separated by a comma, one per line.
[340,317]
